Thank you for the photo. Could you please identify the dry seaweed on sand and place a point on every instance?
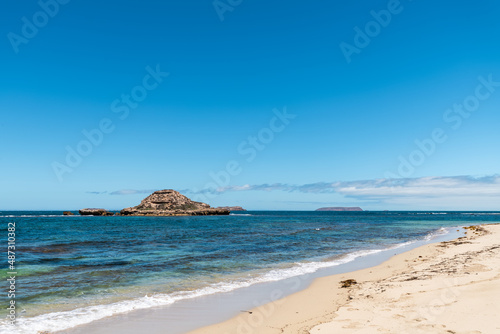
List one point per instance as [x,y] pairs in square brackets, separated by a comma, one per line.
[348,283]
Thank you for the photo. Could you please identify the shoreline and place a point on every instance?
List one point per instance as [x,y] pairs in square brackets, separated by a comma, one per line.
[442,287]
[187,315]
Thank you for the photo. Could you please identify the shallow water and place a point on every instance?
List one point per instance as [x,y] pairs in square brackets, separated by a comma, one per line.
[82,263]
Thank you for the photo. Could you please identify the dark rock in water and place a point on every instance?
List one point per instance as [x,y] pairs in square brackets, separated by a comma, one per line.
[232,208]
[171,203]
[341,208]
[68,213]
[95,212]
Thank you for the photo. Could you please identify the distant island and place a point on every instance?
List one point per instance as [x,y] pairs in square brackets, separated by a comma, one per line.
[166,202]
[340,208]
[232,208]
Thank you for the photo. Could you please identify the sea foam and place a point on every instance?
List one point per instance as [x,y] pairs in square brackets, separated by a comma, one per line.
[58,321]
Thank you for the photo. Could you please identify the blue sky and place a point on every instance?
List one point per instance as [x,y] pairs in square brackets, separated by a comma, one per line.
[257,103]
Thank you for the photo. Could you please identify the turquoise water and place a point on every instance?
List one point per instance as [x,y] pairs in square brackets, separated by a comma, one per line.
[83,263]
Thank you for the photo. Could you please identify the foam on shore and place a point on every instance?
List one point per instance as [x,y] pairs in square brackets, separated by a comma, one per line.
[58,321]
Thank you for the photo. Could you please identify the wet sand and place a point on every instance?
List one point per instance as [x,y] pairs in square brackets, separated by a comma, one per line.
[446,287]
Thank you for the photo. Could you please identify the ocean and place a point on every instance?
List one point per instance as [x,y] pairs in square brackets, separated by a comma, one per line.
[73,270]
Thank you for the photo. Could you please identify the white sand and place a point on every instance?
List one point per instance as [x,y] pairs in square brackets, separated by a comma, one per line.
[448,287]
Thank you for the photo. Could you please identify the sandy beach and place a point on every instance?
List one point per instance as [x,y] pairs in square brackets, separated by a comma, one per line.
[446,287]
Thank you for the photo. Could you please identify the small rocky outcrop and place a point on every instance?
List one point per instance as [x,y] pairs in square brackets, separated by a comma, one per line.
[68,213]
[341,208]
[171,203]
[95,212]
[232,208]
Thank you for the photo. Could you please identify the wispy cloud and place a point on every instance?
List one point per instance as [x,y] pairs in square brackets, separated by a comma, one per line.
[379,189]
[320,187]
[123,192]
[439,191]
[133,192]
[453,186]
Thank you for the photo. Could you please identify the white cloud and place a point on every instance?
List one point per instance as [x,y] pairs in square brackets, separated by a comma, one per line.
[437,187]
[385,189]
[439,192]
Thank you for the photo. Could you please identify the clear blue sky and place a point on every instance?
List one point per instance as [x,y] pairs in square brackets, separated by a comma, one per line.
[70,69]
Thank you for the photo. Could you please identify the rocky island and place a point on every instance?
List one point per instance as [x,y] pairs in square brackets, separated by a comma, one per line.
[341,208]
[171,203]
